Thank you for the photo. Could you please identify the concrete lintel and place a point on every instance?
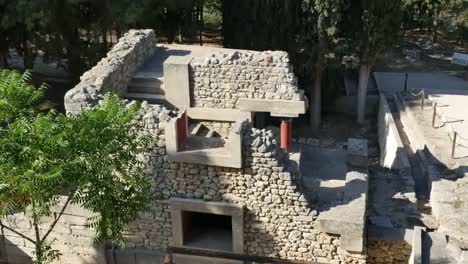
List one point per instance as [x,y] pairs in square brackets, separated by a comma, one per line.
[285,107]
[201,206]
[206,157]
[285,115]
[216,114]
[176,81]
[178,205]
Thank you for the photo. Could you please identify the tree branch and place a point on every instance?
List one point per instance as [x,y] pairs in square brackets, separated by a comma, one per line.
[18,233]
[70,196]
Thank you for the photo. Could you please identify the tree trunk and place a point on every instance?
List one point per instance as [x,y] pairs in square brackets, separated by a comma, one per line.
[315,106]
[2,60]
[364,71]
[202,22]
[39,249]
[434,31]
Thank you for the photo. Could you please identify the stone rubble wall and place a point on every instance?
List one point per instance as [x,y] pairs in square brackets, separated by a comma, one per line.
[279,222]
[219,80]
[388,251]
[112,73]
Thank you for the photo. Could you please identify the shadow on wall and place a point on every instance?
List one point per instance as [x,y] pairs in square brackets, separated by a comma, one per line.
[11,253]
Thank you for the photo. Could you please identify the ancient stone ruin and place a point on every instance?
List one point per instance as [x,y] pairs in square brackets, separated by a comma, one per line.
[225,185]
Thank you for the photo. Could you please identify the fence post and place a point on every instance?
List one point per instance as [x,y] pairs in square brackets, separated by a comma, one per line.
[422,99]
[434,113]
[168,258]
[454,143]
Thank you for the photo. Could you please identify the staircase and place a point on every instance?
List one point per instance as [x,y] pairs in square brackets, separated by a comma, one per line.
[147,86]
[198,129]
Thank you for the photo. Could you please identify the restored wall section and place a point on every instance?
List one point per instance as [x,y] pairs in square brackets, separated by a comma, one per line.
[219,80]
[113,72]
[278,222]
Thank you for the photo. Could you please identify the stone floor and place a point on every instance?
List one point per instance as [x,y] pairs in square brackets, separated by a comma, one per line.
[324,173]
[392,201]
[155,63]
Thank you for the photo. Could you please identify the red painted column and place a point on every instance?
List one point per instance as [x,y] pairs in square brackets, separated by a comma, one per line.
[286,134]
[182,128]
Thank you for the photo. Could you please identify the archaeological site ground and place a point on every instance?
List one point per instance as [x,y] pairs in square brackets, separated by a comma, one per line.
[241,180]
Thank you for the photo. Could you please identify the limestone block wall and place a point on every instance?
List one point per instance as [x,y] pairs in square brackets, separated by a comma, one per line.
[219,80]
[113,72]
[278,220]
[70,237]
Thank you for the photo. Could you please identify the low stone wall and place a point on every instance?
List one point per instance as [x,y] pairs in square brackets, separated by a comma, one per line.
[70,237]
[388,251]
[113,72]
[392,152]
[219,80]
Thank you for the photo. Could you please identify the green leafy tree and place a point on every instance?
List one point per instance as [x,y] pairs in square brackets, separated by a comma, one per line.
[319,37]
[93,158]
[373,27]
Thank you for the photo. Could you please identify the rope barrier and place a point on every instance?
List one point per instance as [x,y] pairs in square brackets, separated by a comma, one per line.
[418,94]
[449,129]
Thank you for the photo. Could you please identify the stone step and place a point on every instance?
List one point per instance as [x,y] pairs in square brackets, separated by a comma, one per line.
[210,133]
[142,75]
[146,87]
[148,77]
[196,129]
[150,98]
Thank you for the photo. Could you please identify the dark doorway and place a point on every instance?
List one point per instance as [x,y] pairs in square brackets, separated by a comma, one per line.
[207,231]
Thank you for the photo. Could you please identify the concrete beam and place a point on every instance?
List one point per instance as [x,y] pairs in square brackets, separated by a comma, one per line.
[216,114]
[286,107]
[348,219]
[176,81]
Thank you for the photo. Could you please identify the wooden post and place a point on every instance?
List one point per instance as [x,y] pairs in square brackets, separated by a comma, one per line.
[422,99]
[168,259]
[454,143]
[434,113]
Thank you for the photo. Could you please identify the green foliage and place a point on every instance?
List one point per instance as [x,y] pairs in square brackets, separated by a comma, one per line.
[94,158]
[17,96]
[261,24]
[372,27]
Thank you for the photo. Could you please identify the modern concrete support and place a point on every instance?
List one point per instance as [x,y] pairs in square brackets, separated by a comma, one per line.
[179,205]
[348,217]
[392,152]
[417,246]
[228,156]
[282,108]
[216,114]
[176,81]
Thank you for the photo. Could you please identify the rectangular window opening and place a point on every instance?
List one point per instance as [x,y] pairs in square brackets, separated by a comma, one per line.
[207,231]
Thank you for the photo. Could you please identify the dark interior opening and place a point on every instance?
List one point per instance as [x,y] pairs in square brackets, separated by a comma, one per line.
[207,231]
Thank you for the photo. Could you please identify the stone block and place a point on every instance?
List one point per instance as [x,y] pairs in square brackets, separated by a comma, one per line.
[357,155]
